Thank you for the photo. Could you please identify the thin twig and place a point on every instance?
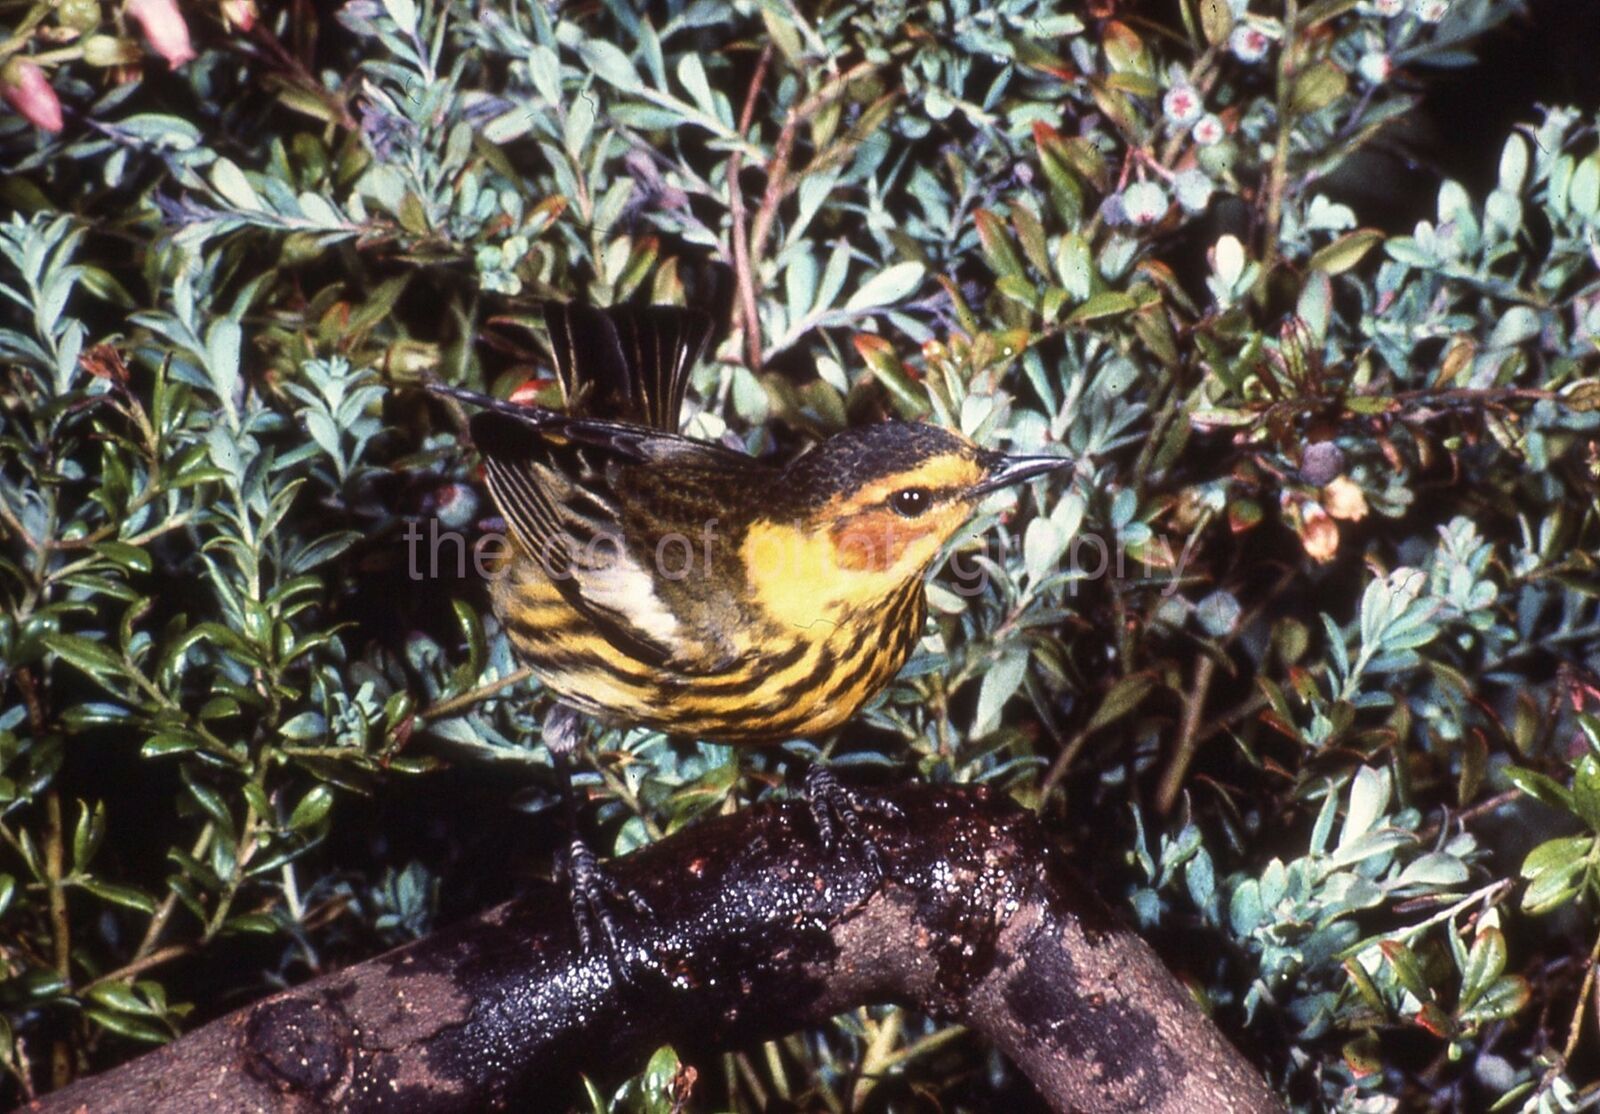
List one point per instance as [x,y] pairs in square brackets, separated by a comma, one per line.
[1467,815]
[779,183]
[1205,671]
[1063,762]
[141,965]
[158,923]
[744,273]
[54,867]
[1576,1030]
[9,519]
[60,926]
[466,699]
[1278,174]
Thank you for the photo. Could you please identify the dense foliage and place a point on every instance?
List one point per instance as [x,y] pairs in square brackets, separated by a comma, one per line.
[1304,663]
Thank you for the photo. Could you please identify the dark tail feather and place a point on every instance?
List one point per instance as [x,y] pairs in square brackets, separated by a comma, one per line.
[626,363]
[527,415]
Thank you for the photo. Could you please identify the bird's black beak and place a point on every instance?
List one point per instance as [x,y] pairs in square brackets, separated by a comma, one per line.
[1006,471]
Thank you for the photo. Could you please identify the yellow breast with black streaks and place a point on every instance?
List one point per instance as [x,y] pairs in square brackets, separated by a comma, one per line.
[812,658]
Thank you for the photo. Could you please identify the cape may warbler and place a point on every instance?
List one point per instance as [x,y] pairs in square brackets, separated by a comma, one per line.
[660,580]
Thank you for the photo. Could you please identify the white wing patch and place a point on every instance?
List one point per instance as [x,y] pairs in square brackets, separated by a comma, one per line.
[616,583]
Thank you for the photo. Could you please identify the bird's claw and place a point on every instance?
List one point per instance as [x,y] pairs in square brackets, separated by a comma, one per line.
[596,896]
[836,813]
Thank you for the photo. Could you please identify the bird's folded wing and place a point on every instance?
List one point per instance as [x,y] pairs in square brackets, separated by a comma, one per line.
[555,482]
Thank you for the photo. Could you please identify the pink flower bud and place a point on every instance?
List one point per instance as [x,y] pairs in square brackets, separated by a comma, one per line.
[1249,44]
[1375,66]
[239,14]
[1208,130]
[27,90]
[164,28]
[1182,104]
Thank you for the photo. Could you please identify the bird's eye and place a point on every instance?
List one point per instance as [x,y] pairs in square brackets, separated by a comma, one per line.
[911,502]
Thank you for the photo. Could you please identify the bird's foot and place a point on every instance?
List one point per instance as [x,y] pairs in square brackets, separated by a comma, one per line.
[597,900]
[836,812]
[596,897]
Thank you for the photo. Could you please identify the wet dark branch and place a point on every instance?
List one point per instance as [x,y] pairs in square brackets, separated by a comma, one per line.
[756,933]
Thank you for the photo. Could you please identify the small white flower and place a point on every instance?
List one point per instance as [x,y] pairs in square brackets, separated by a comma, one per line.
[1193,189]
[1387,8]
[1375,66]
[1144,203]
[1208,130]
[1181,104]
[1432,11]
[1249,44]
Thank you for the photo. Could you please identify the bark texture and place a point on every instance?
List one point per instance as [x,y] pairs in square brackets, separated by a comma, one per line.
[756,932]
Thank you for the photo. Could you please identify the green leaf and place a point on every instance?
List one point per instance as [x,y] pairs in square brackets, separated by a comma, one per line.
[1245,911]
[1435,870]
[1043,543]
[1369,796]
[1505,997]
[1407,970]
[693,76]
[130,557]
[119,996]
[610,64]
[87,834]
[230,182]
[888,287]
[477,642]
[1031,235]
[1018,289]
[1125,51]
[995,241]
[1554,871]
[1557,854]
[1516,326]
[1345,252]
[1317,87]
[312,810]
[1123,698]
[1542,788]
[170,132]
[1484,964]
[1323,828]
[306,725]
[94,658]
[1216,20]
[118,894]
[403,12]
[130,1027]
[1550,891]
[1586,790]
[999,684]
[1108,303]
[1364,984]
[1583,194]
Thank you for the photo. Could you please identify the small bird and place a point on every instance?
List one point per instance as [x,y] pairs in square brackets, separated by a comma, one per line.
[664,581]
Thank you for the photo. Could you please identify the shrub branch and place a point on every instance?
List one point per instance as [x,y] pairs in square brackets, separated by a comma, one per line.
[756,932]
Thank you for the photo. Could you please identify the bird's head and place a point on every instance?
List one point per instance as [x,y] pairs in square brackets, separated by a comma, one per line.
[888,496]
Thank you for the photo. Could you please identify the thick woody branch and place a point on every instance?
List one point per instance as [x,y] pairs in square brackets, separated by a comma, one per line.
[756,932]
